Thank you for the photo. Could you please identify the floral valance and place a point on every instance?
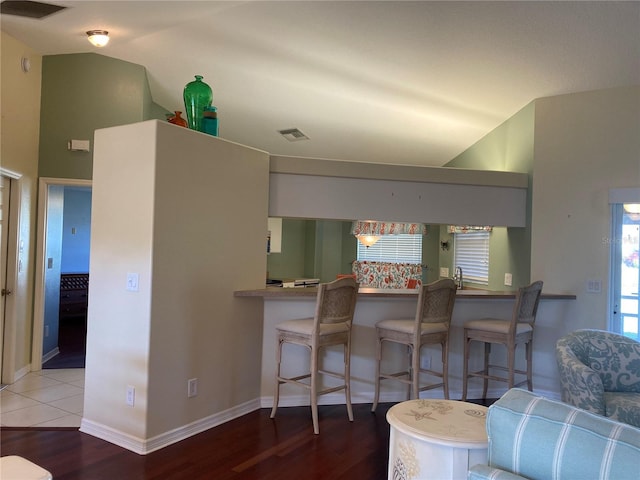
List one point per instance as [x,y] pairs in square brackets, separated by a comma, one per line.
[469,228]
[371,227]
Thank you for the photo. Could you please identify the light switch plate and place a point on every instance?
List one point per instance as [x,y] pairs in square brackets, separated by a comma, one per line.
[79,145]
[444,272]
[594,285]
[508,279]
[132,282]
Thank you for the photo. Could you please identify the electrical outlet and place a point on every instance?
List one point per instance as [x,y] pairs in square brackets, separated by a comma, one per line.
[131,395]
[425,362]
[444,272]
[46,330]
[192,387]
[508,279]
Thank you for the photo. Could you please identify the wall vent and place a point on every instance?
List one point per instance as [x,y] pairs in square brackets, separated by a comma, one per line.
[293,134]
[28,9]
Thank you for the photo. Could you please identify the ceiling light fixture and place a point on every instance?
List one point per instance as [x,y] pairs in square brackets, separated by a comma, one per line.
[632,207]
[98,38]
[367,240]
[633,210]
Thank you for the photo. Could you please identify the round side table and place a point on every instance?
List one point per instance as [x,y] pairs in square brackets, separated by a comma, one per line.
[436,439]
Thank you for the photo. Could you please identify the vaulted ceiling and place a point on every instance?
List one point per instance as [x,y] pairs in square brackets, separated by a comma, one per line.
[379,81]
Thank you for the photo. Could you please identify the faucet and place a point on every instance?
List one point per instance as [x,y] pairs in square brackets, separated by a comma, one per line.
[457,277]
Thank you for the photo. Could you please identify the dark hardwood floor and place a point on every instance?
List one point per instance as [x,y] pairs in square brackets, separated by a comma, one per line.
[251,447]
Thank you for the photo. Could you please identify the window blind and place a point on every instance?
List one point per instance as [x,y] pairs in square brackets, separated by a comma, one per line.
[471,253]
[402,248]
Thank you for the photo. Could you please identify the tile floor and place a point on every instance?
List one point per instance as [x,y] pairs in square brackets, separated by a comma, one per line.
[48,398]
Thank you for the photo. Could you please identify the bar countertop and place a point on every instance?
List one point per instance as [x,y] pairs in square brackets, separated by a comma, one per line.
[472,293]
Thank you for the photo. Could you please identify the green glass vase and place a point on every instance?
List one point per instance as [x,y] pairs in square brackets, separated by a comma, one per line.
[197,95]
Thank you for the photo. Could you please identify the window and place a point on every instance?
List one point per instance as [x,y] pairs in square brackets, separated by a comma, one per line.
[402,248]
[471,253]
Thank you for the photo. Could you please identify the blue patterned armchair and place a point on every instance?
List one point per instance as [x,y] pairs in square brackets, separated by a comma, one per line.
[600,372]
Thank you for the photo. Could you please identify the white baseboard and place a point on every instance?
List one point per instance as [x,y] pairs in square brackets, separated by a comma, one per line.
[21,373]
[50,354]
[144,446]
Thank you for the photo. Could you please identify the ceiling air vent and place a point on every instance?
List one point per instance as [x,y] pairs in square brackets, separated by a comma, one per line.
[293,134]
[28,9]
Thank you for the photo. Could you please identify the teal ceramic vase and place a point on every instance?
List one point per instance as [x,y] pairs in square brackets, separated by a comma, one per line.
[197,95]
[210,121]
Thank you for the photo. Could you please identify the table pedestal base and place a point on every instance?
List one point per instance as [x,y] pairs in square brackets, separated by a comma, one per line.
[436,439]
[411,459]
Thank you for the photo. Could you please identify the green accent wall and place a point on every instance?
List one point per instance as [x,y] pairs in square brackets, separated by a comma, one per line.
[328,252]
[430,254]
[313,249]
[289,263]
[509,147]
[446,256]
[349,249]
[324,248]
[81,93]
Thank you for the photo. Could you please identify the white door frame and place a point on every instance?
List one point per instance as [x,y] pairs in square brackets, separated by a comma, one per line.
[41,248]
[14,266]
[617,197]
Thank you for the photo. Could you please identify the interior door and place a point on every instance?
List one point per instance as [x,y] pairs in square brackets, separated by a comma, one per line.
[625,249]
[5,195]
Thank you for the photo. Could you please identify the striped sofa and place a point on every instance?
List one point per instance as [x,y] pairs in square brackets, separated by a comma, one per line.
[540,439]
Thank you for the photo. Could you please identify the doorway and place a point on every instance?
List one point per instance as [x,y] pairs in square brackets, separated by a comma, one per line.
[626,269]
[62,247]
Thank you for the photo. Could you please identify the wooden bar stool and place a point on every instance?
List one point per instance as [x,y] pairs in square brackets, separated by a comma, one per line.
[430,326]
[510,333]
[331,325]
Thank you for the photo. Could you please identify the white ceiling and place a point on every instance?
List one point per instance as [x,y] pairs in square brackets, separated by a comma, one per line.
[379,81]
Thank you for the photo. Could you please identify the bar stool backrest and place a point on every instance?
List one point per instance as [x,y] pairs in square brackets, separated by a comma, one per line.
[336,302]
[526,306]
[435,302]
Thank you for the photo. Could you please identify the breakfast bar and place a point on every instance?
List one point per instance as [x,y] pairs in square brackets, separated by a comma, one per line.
[373,305]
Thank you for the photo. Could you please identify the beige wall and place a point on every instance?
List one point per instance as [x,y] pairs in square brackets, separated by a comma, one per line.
[20,106]
[577,147]
[585,144]
[189,223]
